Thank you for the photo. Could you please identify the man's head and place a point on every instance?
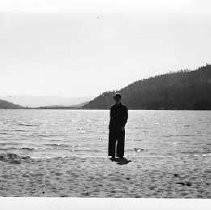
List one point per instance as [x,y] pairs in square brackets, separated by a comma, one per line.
[117,98]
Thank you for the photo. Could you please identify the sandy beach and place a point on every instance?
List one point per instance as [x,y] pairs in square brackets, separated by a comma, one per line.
[154,177]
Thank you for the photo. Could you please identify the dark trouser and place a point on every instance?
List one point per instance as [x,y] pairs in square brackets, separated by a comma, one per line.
[116,144]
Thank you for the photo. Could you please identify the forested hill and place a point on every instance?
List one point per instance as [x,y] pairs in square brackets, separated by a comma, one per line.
[7,105]
[184,90]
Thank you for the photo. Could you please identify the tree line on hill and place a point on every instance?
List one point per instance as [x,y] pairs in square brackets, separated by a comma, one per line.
[183,90]
[8,105]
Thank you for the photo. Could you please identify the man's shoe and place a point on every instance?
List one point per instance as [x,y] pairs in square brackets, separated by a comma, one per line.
[112,158]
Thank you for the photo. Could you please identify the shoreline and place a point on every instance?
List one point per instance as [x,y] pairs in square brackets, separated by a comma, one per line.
[104,109]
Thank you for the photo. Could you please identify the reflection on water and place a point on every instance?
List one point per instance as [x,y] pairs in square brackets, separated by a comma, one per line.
[59,133]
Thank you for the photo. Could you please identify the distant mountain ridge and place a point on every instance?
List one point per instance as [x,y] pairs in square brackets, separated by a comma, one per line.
[8,105]
[77,106]
[45,101]
[183,90]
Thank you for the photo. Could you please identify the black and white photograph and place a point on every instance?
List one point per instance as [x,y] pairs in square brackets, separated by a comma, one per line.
[105,99]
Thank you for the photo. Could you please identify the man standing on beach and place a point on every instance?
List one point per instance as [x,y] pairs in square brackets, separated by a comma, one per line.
[118,120]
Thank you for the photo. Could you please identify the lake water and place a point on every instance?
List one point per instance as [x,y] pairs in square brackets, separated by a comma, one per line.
[61,133]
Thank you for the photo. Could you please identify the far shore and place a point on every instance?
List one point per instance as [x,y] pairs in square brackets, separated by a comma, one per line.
[75,108]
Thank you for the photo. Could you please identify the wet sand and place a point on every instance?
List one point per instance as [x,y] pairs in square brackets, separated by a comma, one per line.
[145,177]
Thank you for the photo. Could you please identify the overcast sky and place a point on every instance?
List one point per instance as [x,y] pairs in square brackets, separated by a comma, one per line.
[83,48]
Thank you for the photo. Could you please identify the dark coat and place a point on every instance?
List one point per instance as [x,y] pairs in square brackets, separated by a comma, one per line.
[118,117]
